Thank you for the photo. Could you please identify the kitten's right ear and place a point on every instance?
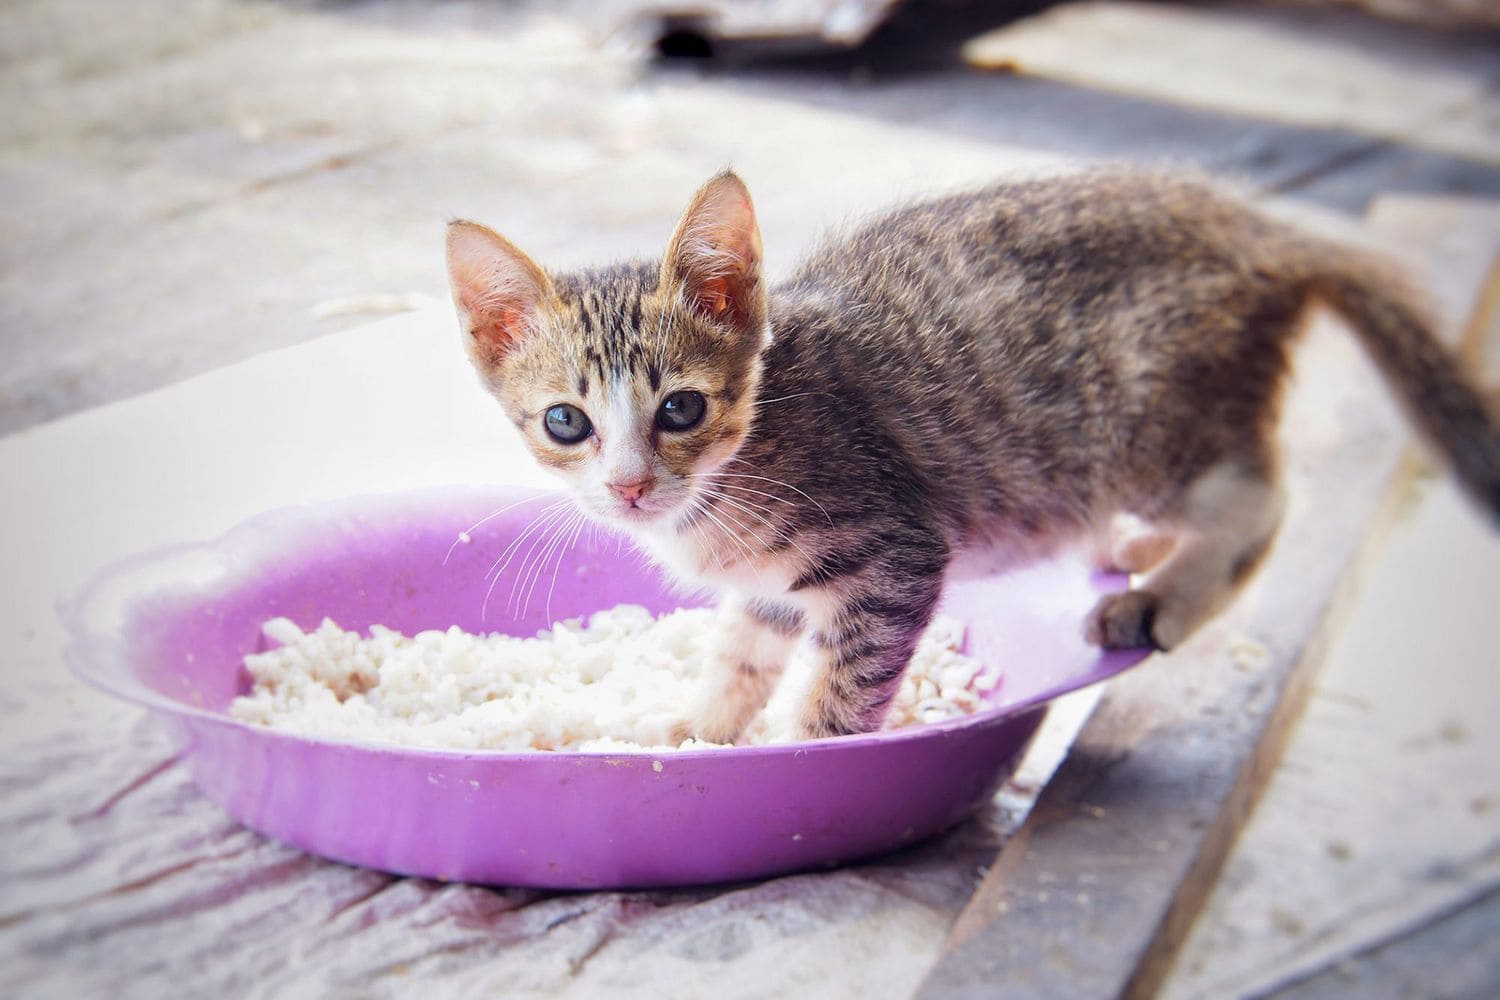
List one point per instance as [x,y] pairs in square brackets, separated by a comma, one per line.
[714,256]
[496,289]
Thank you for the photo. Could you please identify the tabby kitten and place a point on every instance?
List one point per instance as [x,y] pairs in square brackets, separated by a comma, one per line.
[989,375]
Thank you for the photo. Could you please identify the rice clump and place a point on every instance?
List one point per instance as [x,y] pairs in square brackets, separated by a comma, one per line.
[615,683]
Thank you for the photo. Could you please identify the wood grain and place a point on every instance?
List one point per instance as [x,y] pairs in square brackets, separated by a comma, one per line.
[1100,886]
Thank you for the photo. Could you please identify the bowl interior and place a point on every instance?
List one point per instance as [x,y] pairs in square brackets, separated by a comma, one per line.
[170,628]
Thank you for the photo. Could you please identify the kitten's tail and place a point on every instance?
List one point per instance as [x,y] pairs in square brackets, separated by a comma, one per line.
[1427,379]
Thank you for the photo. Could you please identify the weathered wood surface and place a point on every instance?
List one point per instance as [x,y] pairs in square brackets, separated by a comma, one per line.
[1252,61]
[1096,893]
[1447,956]
[1430,13]
[318,148]
[1381,817]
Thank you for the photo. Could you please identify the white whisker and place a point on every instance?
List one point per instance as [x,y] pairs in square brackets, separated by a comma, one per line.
[512,604]
[520,537]
[771,518]
[551,514]
[699,530]
[581,520]
[763,514]
[554,547]
[742,488]
[795,395]
[464,535]
[776,482]
[749,555]
[531,571]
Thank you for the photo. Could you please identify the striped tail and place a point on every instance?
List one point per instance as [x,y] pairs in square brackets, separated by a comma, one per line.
[1426,378]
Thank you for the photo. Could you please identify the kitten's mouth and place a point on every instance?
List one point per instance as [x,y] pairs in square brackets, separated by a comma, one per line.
[636,513]
[657,505]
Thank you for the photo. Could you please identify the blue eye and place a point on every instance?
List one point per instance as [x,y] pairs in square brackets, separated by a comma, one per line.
[567,424]
[681,411]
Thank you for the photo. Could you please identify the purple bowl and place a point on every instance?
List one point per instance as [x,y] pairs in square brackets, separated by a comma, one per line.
[168,630]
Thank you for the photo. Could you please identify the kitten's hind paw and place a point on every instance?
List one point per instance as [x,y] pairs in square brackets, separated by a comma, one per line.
[1123,621]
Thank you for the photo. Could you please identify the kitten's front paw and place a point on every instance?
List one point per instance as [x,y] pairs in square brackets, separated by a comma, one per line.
[822,719]
[818,729]
[1123,621]
[707,727]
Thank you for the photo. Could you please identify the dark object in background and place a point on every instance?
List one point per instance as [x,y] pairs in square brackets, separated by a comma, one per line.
[757,28]
[770,29]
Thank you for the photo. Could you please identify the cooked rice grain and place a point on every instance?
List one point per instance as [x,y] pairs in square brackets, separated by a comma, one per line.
[617,683]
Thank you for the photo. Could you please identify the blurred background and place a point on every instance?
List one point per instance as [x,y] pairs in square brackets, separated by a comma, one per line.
[185,183]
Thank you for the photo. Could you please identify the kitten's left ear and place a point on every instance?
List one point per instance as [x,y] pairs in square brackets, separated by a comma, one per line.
[714,256]
[497,289]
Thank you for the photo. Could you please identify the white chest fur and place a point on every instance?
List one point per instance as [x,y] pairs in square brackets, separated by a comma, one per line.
[698,559]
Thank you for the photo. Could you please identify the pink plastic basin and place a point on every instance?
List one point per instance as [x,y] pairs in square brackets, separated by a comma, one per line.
[168,630]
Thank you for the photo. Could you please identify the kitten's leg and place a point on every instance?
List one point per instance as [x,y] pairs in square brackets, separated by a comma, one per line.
[1229,518]
[1131,545]
[749,658]
[864,636]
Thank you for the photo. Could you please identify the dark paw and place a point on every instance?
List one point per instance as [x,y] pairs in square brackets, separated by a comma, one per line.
[1123,621]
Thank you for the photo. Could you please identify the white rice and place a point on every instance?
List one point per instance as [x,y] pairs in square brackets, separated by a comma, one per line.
[617,683]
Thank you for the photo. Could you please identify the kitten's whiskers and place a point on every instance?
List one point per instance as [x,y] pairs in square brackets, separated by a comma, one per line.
[764,514]
[767,479]
[521,536]
[555,546]
[695,507]
[795,395]
[467,532]
[739,487]
[744,547]
[579,523]
[497,570]
[512,604]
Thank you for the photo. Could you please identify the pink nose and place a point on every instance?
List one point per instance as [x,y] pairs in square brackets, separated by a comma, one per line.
[633,490]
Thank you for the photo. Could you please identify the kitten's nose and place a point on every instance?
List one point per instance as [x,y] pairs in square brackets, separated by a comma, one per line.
[632,490]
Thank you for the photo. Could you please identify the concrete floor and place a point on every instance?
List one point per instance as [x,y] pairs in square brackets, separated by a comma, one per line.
[186,185]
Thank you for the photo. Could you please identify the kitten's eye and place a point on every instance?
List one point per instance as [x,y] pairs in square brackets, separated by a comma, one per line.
[567,424]
[681,411]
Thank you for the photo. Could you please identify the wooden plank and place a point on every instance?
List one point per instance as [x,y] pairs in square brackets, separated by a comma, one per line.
[1454,954]
[1429,13]
[165,162]
[1100,886]
[1265,63]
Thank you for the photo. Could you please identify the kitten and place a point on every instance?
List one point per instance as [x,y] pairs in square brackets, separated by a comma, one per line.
[993,374]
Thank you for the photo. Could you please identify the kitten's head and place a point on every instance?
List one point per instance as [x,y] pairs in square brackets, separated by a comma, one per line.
[627,382]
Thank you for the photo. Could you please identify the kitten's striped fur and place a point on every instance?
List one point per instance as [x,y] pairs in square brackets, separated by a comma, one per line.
[1000,372]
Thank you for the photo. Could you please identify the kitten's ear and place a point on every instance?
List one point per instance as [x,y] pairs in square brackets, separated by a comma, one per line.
[496,289]
[714,256]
